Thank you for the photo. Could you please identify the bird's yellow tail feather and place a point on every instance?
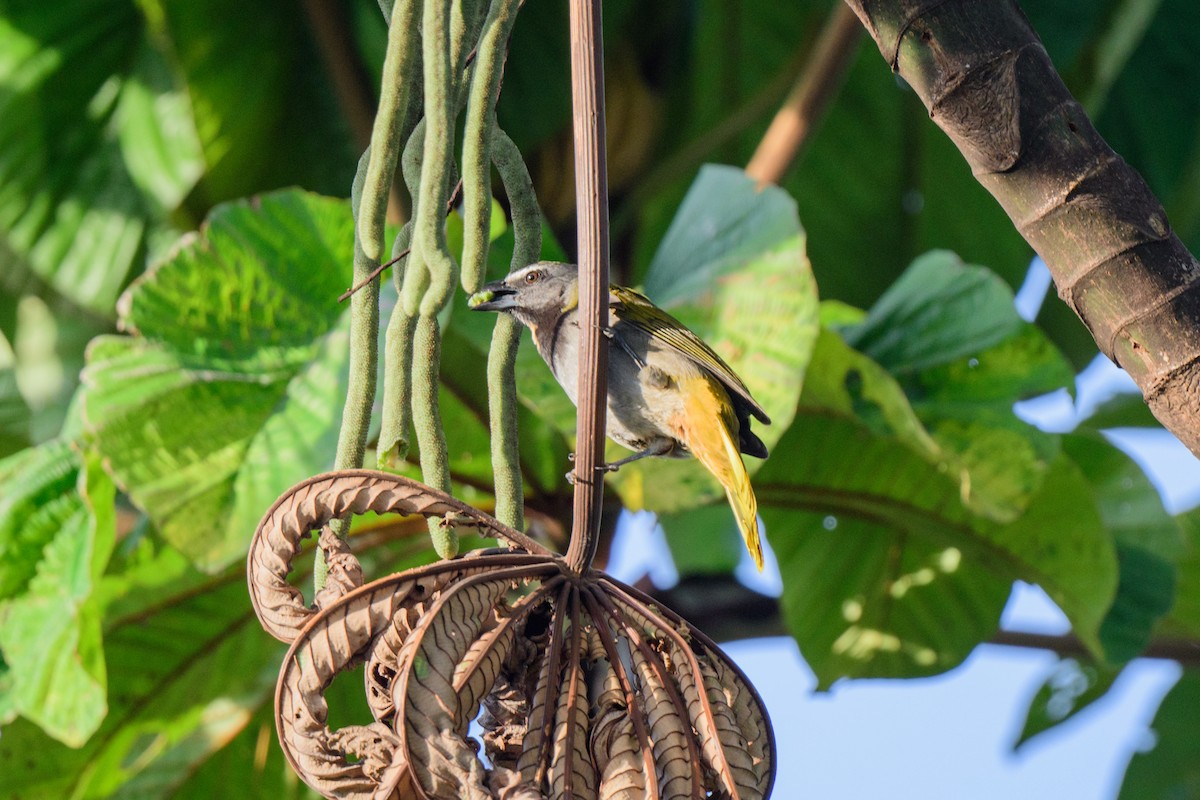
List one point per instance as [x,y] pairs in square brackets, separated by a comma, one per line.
[710,430]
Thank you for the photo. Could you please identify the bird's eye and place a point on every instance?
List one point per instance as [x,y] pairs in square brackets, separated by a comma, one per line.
[532,277]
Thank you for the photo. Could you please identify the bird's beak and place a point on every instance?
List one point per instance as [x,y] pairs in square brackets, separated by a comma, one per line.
[494,297]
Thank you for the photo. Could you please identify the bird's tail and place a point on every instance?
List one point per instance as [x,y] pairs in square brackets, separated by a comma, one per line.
[711,433]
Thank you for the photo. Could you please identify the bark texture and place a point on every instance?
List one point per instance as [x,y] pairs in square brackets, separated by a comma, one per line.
[988,83]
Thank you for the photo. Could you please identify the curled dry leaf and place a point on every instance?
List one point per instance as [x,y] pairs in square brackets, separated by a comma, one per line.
[582,686]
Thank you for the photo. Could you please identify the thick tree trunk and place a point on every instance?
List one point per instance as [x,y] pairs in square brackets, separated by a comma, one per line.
[988,83]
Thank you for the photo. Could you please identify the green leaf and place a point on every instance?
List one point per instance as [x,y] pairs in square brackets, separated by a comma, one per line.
[1069,687]
[950,334]
[256,87]
[14,411]
[71,210]
[1172,768]
[864,524]
[157,135]
[1148,543]
[724,222]
[50,632]
[184,679]
[37,501]
[938,311]
[231,388]
[1185,616]
[1124,410]
[842,380]
[189,669]
[732,268]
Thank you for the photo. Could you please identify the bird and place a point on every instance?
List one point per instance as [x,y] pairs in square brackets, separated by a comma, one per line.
[669,393]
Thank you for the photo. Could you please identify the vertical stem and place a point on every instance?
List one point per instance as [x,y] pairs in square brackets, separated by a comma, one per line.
[502,421]
[477,136]
[397,365]
[506,336]
[372,185]
[591,200]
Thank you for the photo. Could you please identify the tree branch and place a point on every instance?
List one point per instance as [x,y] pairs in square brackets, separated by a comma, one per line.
[818,84]
[728,610]
[591,200]
[988,83]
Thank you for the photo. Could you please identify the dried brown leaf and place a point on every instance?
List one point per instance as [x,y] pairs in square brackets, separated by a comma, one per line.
[572,773]
[743,772]
[613,742]
[535,755]
[431,729]
[343,572]
[506,784]
[311,504]
[668,730]
[754,726]
[335,639]
[587,688]
[383,660]
[332,641]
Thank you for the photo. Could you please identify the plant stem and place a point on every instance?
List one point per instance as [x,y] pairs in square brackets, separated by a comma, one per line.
[827,64]
[591,202]
[477,136]
[506,336]
[372,185]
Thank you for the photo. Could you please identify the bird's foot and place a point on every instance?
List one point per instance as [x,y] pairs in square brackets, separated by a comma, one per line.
[573,478]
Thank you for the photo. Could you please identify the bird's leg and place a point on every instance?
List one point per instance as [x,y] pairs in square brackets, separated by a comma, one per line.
[659,447]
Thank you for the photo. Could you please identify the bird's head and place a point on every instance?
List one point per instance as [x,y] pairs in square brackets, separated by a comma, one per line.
[532,294]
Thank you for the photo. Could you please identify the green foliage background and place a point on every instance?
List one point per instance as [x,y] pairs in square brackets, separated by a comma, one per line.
[173,356]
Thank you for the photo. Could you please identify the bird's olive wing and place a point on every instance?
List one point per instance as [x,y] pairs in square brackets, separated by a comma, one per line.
[636,309]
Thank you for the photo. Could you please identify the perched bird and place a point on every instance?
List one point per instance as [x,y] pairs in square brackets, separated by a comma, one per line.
[669,394]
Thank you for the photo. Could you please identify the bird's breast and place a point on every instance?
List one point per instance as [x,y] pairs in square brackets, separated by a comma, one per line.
[645,401]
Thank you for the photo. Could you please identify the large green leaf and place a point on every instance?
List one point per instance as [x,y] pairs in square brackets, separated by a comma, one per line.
[231,387]
[80,90]
[950,335]
[1171,770]
[57,531]
[265,113]
[189,669]
[1148,543]
[867,517]
[938,311]
[184,679]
